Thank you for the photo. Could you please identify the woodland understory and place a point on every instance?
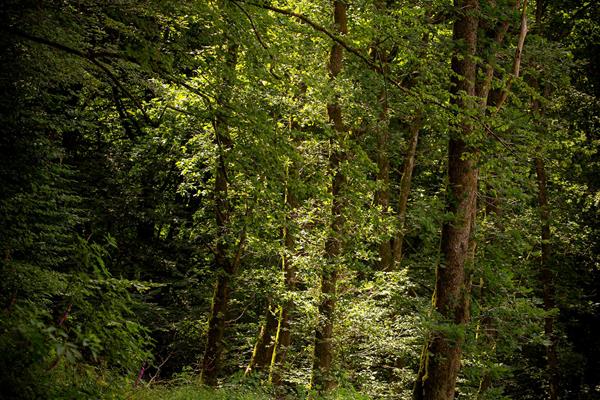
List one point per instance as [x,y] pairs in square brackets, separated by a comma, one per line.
[300,199]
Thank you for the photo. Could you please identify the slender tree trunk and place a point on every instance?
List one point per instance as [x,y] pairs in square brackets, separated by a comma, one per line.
[517,59]
[492,99]
[226,264]
[547,279]
[322,379]
[265,343]
[486,332]
[275,336]
[382,197]
[405,182]
[283,337]
[440,363]
[546,274]
[390,251]
[323,357]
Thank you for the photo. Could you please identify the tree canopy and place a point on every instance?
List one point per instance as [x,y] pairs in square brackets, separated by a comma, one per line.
[300,199]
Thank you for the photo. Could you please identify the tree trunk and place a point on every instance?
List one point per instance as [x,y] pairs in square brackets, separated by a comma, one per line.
[517,60]
[265,343]
[546,275]
[323,357]
[283,337]
[226,264]
[322,379]
[382,197]
[547,279]
[440,362]
[405,182]
[390,251]
[489,99]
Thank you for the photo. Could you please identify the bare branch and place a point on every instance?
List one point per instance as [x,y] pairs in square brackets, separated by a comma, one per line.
[517,61]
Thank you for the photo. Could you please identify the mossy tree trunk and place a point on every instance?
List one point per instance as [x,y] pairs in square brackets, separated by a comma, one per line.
[441,358]
[283,336]
[226,259]
[322,379]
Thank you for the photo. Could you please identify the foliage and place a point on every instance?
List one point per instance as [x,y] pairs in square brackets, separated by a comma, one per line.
[109,209]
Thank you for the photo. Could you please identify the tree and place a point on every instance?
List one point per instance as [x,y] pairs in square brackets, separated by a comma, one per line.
[322,378]
[441,356]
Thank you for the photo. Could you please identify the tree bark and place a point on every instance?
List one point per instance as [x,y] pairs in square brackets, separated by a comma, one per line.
[322,379]
[226,263]
[440,362]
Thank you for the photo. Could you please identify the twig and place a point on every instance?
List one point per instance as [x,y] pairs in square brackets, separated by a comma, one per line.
[159,367]
[256,33]
[243,310]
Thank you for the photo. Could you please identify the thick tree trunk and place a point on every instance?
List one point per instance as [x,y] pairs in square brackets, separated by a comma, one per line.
[441,359]
[226,263]
[322,379]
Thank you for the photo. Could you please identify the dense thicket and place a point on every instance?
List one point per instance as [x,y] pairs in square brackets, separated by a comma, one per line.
[397,199]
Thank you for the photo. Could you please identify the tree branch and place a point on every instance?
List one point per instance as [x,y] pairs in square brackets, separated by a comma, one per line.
[256,33]
[91,58]
[352,50]
[517,61]
[304,19]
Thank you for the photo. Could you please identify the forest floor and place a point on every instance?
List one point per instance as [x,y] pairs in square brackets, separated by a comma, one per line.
[196,392]
[193,392]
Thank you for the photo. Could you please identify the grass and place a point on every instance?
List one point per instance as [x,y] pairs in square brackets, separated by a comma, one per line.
[197,392]
[194,392]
